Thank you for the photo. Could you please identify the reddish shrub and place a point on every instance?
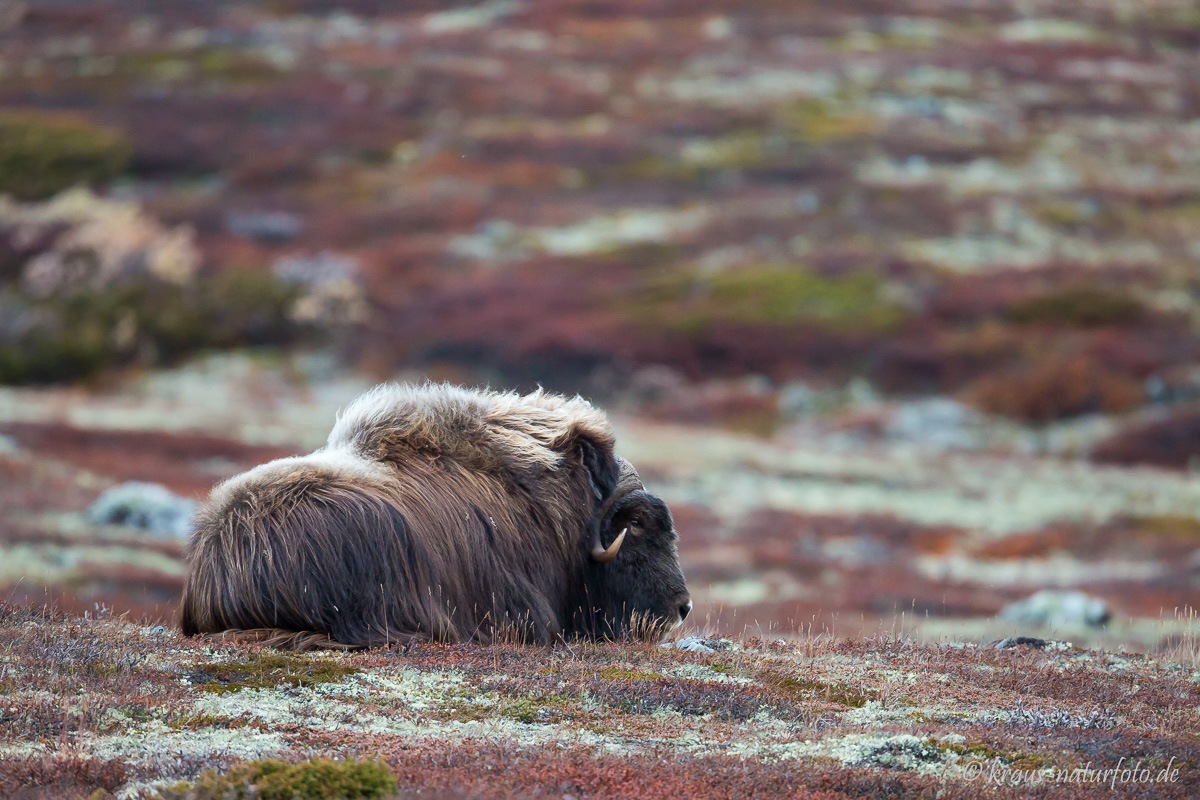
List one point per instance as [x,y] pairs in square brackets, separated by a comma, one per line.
[737,406]
[1027,545]
[930,358]
[1173,442]
[59,776]
[1055,387]
[176,460]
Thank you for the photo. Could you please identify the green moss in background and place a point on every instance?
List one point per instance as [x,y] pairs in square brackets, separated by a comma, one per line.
[42,153]
[842,694]
[210,63]
[268,670]
[817,121]
[1082,306]
[771,295]
[624,674]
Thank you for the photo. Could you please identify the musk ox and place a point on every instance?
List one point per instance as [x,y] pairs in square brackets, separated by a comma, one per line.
[442,513]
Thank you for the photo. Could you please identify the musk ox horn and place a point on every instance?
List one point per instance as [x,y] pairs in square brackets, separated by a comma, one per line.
[604,556]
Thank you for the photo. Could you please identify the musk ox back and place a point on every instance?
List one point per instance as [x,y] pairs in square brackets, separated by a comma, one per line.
[436,512]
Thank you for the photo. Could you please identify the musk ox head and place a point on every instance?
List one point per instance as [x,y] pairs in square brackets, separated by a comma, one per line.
[635,569]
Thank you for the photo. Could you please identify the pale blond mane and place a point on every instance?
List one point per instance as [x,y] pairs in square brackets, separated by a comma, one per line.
[522,433]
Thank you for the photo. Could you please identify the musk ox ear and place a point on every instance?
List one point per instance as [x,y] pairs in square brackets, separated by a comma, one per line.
[601,466]
[574,428]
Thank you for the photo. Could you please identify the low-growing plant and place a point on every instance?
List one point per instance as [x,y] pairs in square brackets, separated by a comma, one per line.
[60,776]
[1080,306]
[817,121]
[271,779]
[196,722]
[842,694]
[1055,387]
[42,153]
[623,674]
[82,332]
[544,708]
[268,670]
[1172,442]
[771,295]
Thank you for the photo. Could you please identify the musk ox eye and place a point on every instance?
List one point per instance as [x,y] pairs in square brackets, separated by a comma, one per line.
[635,523]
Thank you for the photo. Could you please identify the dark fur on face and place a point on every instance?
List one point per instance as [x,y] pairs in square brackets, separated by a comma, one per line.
[442,513]
[642,591]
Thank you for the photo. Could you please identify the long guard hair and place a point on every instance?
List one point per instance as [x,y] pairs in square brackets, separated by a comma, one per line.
[433,512]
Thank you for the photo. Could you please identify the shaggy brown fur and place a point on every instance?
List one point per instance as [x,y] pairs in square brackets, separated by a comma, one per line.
[432,512]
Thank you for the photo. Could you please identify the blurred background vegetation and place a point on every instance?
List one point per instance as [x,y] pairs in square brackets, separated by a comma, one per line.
[957,234]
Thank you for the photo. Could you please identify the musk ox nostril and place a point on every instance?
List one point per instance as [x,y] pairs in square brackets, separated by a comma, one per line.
[684,610]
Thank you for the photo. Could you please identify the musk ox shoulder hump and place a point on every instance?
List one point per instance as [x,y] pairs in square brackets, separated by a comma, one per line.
[521,434]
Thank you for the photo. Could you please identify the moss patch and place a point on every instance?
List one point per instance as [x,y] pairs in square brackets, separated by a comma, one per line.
[42,153]
[980,750]
[623,674]
[211,63]
[842,694]
[1167,527]
[528,708]
[817,121]
[270,779]
[196,722]
[1082,306]
[776,295]
[269,670]
[539,708]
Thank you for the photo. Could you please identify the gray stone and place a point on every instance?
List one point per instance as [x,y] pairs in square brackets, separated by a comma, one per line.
[1021,641]
[938,422]
[147,506]
[1049,607]
[267,226]
[696,644]
[799,399]
[332,288]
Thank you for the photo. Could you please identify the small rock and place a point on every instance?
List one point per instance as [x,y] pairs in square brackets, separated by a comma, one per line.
[861,394]
[1049,607]
[266,226]
[1019,641]
[656,382]
[808,202]
[696,644]
[332,288]
[800,400]
[939,423]
[855,551]
[144,505]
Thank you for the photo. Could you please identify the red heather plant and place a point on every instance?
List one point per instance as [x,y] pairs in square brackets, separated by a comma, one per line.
[61,776]
[1173,442]
[1055,387]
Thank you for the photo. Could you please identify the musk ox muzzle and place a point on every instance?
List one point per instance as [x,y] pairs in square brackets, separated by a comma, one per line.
[437,512]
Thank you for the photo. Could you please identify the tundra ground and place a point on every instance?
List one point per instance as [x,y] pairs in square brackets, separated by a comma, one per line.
[106,707]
